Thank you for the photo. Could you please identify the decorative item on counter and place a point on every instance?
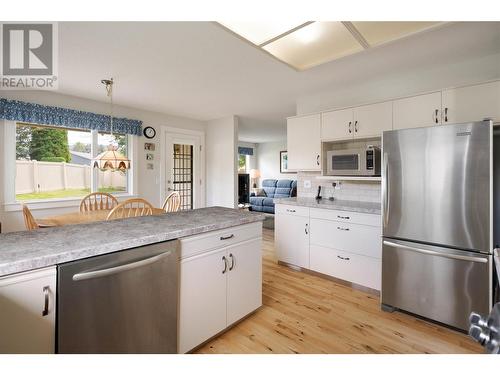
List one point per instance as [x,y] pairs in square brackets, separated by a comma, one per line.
[149,146]
[318,196]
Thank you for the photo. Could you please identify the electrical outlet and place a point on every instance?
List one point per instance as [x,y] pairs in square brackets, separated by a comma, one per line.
[307,184]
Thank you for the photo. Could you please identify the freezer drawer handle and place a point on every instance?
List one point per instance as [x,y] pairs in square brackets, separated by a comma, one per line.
[340,228]
[436,253]
[122,268]
[343,217]
[227,237]
[343,258]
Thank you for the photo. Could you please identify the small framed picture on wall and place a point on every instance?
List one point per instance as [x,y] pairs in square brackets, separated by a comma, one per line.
[149,146]
[284,162]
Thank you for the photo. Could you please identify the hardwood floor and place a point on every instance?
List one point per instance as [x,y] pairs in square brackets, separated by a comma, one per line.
[302,313]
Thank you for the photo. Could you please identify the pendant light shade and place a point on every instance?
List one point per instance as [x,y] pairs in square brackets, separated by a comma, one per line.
[112,159]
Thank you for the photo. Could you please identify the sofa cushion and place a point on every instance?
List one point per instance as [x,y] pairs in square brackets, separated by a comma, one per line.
[269,183]
[284,184]
[257,201]
[268,202]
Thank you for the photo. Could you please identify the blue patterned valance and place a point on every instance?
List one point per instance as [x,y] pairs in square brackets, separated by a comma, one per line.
[15,110]
[245,151]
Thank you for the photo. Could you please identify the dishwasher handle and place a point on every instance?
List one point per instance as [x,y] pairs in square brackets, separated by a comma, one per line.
[125,267]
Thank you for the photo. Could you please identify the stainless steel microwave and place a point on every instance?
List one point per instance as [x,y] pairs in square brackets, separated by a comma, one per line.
[354,162]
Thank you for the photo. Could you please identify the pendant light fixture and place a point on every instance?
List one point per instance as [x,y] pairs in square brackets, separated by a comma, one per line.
[111,159]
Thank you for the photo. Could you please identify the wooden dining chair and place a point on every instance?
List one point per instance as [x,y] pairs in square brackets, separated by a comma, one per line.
[131,208]
[98,201]
[172,202]
[29,220]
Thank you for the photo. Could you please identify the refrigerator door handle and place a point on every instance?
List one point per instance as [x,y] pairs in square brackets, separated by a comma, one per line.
[385,189]
[436,253]
[117,269]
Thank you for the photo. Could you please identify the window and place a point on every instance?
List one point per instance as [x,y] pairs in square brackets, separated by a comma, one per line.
[55,163]
[242,163]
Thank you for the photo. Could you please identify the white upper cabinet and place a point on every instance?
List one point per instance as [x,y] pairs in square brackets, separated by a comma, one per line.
[304,143]
[417,111]
[359,122]
[372,120]
[337,124]
[471,103]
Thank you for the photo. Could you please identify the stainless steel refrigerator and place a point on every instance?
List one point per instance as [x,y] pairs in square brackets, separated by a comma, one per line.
[437,213]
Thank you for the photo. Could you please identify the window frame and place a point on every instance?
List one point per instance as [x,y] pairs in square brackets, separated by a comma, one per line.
[9,160]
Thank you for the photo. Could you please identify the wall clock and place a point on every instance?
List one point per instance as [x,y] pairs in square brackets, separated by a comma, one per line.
[149,132]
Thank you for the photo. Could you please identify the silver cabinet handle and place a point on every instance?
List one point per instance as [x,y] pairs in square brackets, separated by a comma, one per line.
[446,114]
[306,229]
[232,262]
[356,126]
[287,210]
[436,253]
[317,159]
[225,265]
[435,115]
[350,123]
[340,228]
[343,258]
[227,237]
[117,269]
[343,217]
[45,310]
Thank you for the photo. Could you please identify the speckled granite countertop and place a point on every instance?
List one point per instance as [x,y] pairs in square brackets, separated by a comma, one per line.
[23,251]
[352,206]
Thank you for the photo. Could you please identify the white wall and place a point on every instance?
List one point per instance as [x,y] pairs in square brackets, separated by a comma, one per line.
[221,162]
[404,83]
[147,184]
[268,161]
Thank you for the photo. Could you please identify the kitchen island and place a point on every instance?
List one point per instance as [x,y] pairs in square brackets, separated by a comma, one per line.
[218,251]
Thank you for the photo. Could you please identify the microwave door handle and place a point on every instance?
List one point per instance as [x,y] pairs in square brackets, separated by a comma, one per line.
[118,269]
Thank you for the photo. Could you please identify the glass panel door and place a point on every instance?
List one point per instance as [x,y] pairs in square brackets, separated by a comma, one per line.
[183,174]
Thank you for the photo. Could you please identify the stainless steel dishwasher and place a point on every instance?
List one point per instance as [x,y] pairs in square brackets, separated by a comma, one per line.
[122,302]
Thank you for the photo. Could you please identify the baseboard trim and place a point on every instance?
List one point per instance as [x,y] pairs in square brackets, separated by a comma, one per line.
[362,288]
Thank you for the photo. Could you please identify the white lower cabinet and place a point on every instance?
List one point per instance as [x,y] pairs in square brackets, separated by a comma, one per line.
[341,244]
[347,266]
[220,284]
[27,312]
[291,231]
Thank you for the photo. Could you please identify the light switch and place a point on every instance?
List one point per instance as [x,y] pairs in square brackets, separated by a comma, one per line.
[307,184]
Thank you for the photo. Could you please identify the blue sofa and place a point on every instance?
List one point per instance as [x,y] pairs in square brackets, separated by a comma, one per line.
[273,189]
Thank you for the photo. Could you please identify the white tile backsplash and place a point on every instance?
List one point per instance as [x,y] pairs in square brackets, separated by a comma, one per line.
[366,191]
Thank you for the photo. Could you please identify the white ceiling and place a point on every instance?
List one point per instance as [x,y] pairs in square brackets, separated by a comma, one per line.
[202,71]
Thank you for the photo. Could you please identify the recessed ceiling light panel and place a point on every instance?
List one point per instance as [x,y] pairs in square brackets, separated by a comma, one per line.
[260,32]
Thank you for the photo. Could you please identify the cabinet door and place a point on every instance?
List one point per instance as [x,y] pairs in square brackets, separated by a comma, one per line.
[472,103]
[303,143]
[292,239]
[202,302]
[244,279]
[27,311]
[337,124]
[417,111]
[372,120]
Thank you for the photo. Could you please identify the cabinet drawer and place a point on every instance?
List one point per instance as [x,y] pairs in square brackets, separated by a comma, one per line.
[292,210]
[347,217]
[207,241]
[343,265]
[354,238]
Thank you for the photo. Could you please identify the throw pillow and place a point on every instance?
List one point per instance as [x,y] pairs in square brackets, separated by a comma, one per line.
[260,193]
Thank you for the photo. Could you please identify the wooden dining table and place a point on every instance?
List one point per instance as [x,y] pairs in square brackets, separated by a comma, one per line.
[80,218]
